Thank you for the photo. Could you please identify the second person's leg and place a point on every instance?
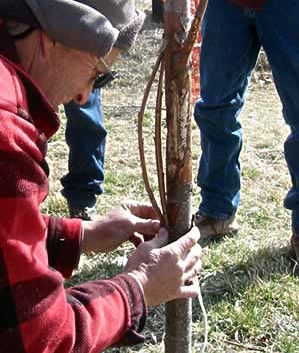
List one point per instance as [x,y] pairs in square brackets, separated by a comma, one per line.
[228,55]
[280,42]
[86,136]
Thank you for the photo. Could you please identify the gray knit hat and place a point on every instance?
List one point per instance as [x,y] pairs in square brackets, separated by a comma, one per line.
[93,26]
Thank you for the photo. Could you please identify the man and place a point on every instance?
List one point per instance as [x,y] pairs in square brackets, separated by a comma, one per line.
[85,135]
[37,66]
[232,35]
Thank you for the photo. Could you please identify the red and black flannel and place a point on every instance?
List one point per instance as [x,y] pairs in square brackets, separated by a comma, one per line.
[37,315]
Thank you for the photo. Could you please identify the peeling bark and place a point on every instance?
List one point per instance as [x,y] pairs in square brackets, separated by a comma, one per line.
[178,157]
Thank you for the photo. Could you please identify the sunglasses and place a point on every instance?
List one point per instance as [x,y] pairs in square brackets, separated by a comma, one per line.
[104,79]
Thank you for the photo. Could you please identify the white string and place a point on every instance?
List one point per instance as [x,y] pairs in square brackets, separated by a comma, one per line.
[206,324]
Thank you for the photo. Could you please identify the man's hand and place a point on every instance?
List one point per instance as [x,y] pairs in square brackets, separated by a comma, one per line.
[169,272]
[133,221]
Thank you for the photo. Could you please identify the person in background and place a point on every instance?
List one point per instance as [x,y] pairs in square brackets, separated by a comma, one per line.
[157,10]
[85,135]
[232,35]
[43,43]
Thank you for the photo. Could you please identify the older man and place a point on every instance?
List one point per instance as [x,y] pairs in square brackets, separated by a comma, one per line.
[64,50]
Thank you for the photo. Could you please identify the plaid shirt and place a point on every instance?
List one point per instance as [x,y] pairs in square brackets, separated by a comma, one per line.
[37,315]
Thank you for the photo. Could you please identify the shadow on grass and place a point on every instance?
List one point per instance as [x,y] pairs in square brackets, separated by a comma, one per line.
[96,267]
[227,284]
[230,282]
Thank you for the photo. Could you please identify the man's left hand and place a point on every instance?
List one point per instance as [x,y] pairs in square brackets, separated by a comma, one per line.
[132,221]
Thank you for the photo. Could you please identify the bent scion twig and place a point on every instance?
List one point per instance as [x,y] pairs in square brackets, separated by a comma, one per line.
[185,53]
[175,198]
[141,139]
[158,145]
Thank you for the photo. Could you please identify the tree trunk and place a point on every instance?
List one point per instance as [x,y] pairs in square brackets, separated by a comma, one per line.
[178,159]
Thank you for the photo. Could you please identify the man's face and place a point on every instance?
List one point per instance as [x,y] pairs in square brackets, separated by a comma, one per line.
[74,73]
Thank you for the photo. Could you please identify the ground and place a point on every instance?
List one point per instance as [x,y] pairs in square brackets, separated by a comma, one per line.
[247,281]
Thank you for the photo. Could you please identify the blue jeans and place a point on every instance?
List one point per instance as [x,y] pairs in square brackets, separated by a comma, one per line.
[86,138]
[232,38]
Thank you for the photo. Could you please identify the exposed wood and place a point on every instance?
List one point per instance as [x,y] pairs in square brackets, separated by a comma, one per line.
[176,202]
[179,163]
[179,110]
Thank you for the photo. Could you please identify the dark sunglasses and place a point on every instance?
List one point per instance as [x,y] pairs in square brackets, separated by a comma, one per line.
[104,79]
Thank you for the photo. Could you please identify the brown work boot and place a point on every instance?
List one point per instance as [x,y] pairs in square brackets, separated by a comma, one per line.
[295,247]
[210,227]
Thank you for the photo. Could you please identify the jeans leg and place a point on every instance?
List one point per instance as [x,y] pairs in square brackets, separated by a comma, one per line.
[157,10]
[228,54]
[278,28]
[86,136]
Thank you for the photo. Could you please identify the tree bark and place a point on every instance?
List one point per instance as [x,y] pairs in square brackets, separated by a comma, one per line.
[178,159]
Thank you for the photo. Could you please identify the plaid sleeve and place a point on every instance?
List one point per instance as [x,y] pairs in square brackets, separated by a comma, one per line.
[37,314]
[64,237]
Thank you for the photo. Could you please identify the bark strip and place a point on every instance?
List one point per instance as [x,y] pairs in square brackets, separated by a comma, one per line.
[178,157]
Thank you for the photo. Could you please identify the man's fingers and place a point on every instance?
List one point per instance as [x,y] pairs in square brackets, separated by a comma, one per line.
[160,240]
[136,239]
[186,242]
[146,226]
[142,210]
[193,257]
[193,235]
[192,272]
[189,291]
[154,241]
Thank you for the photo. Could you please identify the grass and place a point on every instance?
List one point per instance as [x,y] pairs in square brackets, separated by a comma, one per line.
[248,282]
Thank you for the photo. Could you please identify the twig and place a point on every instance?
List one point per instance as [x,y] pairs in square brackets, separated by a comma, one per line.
[140,137]
[158,144]
[250,348]
[195,27]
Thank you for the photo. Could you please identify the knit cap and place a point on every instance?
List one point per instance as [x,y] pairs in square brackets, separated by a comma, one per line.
[92,26]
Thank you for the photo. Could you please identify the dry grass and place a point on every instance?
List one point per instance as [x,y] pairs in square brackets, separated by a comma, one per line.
[247,281]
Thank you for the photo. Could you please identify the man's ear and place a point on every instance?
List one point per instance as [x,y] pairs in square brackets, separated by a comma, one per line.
[46,44]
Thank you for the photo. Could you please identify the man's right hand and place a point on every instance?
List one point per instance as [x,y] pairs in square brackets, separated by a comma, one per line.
[167,272]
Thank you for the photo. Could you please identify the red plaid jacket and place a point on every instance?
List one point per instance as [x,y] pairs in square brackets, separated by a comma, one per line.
[37,315]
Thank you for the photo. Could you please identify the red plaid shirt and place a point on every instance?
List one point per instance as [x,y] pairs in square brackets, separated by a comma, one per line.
[37,315]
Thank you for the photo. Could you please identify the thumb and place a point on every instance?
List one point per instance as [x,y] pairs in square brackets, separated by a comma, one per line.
[146,226]
[160,240]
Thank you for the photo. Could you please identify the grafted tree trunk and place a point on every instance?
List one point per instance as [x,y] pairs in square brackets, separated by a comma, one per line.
[178,157]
